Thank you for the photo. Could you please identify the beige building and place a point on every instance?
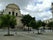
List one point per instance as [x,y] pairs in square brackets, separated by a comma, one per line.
[13,9]
[48,20]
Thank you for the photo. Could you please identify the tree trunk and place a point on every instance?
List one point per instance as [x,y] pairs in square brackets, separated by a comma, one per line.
[8,34]
[38,31]
[28,30]
[8,31]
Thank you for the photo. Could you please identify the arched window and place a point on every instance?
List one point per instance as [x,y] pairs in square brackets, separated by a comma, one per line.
[16,14]
[13,13]
[9,12]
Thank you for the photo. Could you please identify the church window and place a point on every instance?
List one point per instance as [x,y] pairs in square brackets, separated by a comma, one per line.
[9,12]
[13,13]
[16,14]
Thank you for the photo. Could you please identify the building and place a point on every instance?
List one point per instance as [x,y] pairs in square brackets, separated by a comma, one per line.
[48,20]
[14,10]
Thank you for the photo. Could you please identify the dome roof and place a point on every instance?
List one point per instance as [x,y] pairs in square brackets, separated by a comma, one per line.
[13,6]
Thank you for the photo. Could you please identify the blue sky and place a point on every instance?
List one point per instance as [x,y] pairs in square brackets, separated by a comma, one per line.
[36,8]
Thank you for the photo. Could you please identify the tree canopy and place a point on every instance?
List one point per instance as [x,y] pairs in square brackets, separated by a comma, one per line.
[8,21]
[50,25]
[26,19]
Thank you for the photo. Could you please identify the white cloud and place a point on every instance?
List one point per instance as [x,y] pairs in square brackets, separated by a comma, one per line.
[47,15]
[24,12]
[40,11]
[45,4]
[31,7]
[37,8]
[1,6]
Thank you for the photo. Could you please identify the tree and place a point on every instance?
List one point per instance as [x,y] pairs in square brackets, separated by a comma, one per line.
[38,25]
[8,21]
[1,21]
[0,24]
[32,24]
[50,25]
[44,24]
[26,20]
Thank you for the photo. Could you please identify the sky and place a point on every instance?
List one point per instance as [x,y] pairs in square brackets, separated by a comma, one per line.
[40,9]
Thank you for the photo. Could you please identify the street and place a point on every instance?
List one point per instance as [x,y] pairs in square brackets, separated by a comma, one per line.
[23,35]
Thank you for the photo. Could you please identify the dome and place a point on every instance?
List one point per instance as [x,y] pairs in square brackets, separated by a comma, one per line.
[13,6]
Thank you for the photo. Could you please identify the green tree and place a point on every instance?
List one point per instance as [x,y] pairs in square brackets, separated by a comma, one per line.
[44,24]
[50,25]
[26,20]
[8,21]
[0,24]
[32,24]
[1,21]
[38,25]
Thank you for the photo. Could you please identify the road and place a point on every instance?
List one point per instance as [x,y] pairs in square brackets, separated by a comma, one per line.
[26,36]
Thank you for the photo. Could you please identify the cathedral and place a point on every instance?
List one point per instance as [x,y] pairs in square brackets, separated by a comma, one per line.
[14,10]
